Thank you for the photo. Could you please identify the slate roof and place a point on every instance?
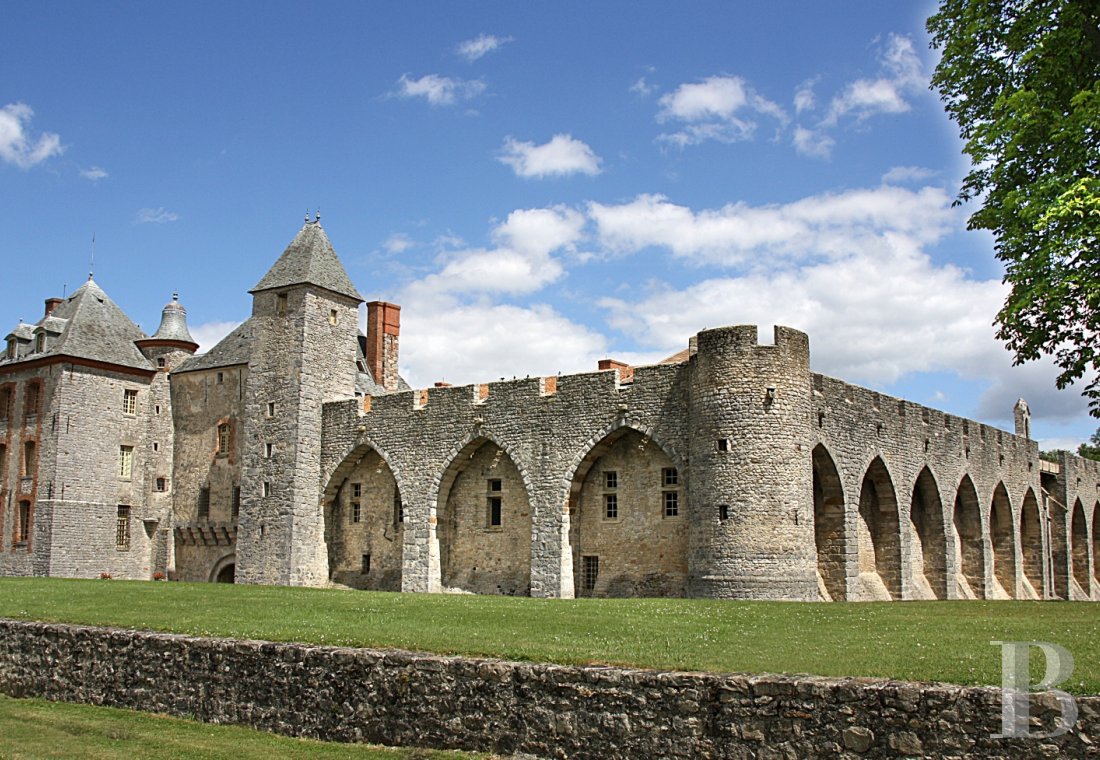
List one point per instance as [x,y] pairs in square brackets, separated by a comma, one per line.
[234,348]
[310,259]
[94,328]
[173,322]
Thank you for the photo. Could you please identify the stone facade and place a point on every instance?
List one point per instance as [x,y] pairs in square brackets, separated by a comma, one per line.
[293,453]
[546,711]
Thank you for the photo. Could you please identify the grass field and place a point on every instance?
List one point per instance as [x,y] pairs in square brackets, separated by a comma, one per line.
[923,641]
[33,729]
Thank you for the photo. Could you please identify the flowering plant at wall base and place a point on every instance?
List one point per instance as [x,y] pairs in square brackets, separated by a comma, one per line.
[158,576]
[105,576]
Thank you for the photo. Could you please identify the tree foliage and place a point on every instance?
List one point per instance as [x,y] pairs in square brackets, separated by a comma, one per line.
[1021,78]
[1090,450]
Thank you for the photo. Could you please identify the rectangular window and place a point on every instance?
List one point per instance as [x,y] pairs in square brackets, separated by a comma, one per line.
[366,564]
[723,511]
[280,305]
[356,512]
[204,503]
[221,378]
[356,490]
[162,484]
[270,408]
[129,402]
[161,363]
[611,506]
[125,462]
[30,408]
[611,479]
[269,449]
[333,316]
[40,342]
[30,459]
[10,353]
[670,477]
[267,488]
[495,485]
[5,403]
[672,503]
[23,529]
[156,446]
[223,438]
[495,512]
[590,571]
[236,508]
[122,527]
[398,508]
[723,444]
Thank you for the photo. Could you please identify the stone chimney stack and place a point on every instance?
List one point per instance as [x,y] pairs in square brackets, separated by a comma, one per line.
[383,328]
[51,304]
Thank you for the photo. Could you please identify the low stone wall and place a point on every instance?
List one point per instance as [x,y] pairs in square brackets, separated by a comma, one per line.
[405,698]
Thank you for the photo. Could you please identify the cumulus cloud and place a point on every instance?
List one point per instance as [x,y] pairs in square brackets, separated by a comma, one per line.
[439,90]
[17,146]
[397,243]
[804,99]
[738,235]
[901,75]
[560,157]
[159,215]
[208,334]
[521,261]
[813,143]
[642,88]
[720,108]
[94,173]
[479,46]
[900,174]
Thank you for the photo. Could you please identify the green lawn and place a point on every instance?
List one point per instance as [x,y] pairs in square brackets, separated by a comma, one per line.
[33,729]
[925,641]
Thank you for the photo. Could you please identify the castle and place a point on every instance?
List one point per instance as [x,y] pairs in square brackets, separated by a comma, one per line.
[293,453]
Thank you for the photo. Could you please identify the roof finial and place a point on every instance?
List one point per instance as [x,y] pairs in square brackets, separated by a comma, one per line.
[317,219]
[91,264]
[175,295]
[307,216]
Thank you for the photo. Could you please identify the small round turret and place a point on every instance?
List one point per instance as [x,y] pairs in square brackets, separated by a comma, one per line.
[173,322]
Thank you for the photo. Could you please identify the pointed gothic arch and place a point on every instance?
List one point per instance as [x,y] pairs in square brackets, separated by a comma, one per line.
[1031,547]
[483,521]
[928,539]
[1079,548]
[830,535]
[1002,537]
[878,536]
[966,523]
[628,518]
[1096,542]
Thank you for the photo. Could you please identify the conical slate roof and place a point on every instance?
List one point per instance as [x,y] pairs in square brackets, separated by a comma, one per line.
[309,259]
[173,322]
[94,327]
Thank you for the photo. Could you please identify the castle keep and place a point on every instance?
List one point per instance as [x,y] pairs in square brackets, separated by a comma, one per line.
[294,453]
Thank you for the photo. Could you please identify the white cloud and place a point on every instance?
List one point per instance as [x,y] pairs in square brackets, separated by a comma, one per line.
[900,174]
[642,88]
[439,90]
[520,262]
[714,109]
[804,99]
[810,142]
[17,146]
[481,45]
[560,157]
[208,334]
[397,243]
[94,173]
[829,225]
[159,215]
[901,76]
[1034,382]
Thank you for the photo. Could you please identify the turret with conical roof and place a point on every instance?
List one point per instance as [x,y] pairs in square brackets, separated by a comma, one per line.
[309,259]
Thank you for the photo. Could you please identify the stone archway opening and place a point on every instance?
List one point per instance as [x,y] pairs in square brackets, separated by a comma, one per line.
[227,574]
[967,525]
[1096,542]
[628,522]
[1031,548]
[830,538]
[1002,537]
[928,539]
[364,523]
[878,541]
[484,523]
[1079,551]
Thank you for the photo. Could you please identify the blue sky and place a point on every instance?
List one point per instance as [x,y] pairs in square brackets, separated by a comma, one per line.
[539,185]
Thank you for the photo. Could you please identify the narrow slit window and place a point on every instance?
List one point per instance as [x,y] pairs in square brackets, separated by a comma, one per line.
[204,503]
[495,512]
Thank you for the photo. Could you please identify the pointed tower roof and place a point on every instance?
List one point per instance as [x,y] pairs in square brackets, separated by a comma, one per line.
[173,322]
[94,327]
[309,259]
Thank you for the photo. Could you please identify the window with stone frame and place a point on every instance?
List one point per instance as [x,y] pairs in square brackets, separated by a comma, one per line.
[611,506]
[671,503]
[495,512]
[161,485]
[590,571]
[235,508]
[670,477]
[30,458]
[23,523]
[204,504]
[10,351]
[129,401]
[40,343]
[224,436]
[281,305]
[125,462]
[122,528]
[5,402]
[356,511]
[398,508]
[30,404]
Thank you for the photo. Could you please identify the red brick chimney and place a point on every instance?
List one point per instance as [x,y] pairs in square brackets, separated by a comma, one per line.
[626,372]
[383,327]
[53,303]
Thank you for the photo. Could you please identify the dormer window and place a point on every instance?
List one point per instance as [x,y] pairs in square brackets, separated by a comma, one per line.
[40,342]
[10,352]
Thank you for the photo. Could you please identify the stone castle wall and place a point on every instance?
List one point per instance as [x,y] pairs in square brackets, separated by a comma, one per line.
[548,711]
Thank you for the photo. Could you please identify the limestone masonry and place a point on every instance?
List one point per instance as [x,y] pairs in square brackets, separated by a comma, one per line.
[294,453]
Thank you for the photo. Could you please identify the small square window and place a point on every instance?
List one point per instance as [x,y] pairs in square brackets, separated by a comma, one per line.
[495,512]
[723,444]
[161,363]
[495,484]
[670,477]
[611,479]
[356,512]
[162,484]
[672,503]
[611,506]
[356,490]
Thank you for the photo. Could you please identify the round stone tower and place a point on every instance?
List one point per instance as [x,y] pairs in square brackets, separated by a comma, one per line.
[750,484]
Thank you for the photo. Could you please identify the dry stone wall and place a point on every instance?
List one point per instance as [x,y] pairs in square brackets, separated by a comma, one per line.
[547,711]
